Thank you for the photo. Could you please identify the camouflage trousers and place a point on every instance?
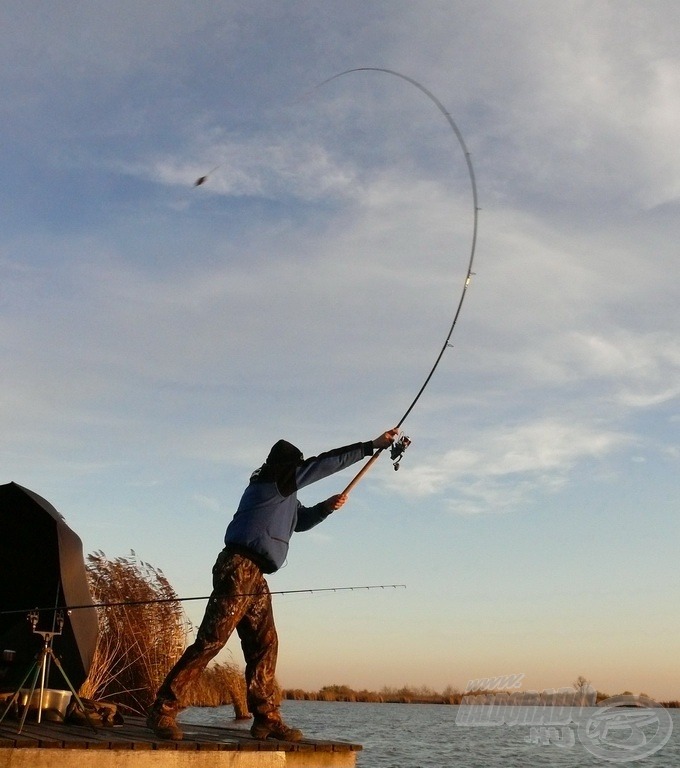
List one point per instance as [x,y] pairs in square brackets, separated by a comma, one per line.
[240,601]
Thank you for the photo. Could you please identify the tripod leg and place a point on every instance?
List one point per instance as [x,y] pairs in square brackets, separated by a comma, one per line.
[73,691]
[38,667]
[15,698]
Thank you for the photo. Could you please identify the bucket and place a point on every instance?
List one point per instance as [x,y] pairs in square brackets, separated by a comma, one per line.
[54,703]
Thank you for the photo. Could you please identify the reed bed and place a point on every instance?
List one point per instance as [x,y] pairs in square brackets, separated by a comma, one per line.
[220,684]
[139,640]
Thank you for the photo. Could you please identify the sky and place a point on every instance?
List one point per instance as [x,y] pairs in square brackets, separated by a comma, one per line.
[157,338]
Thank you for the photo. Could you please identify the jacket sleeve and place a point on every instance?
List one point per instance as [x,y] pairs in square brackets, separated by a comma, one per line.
[308,517]
[325,464]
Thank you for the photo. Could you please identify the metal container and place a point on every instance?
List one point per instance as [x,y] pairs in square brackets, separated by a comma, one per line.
[54,703]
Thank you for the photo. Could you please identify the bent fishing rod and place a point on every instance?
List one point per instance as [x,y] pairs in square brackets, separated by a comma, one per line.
[161,600]
[401,444]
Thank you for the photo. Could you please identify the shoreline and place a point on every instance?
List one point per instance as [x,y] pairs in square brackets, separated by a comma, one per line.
[484,697]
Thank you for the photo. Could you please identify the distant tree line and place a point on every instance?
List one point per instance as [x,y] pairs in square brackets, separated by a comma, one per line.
[387,695]
[450,695]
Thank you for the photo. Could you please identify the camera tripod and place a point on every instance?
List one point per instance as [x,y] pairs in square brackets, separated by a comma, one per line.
[39,669]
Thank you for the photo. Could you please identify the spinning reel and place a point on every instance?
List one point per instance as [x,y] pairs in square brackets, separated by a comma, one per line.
[397,450]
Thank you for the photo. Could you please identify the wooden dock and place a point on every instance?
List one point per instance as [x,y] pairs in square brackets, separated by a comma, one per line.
[132,745]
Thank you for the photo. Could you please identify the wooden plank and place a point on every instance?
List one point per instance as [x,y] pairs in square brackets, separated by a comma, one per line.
[134,735]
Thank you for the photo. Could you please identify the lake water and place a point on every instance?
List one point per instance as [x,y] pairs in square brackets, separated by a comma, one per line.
[428,736]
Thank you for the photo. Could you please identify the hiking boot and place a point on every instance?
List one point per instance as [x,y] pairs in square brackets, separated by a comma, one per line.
[164,725]
[274,729]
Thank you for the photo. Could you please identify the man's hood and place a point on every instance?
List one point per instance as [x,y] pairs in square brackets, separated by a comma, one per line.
[284,458]
[283,454]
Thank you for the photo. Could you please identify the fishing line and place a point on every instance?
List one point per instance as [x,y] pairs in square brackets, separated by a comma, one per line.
[161,600]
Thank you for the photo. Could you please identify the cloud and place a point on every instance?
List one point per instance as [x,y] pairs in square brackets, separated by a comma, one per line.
[643,368]
[628,368]
[256,167]
[498,468]
[581,114]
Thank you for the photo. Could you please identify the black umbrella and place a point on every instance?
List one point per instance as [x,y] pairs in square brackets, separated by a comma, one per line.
[42,565]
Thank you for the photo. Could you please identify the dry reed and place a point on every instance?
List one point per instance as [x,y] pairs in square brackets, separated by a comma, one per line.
[220,684]
[138,643]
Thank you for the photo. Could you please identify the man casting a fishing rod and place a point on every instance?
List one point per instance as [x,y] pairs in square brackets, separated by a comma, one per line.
[256,542]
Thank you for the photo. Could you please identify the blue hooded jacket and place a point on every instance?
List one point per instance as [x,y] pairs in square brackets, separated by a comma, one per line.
[269,511]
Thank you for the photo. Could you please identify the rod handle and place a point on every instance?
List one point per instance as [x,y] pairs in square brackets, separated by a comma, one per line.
[363,471]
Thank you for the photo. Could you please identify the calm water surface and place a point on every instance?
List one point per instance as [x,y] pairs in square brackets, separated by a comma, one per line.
[427,736]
